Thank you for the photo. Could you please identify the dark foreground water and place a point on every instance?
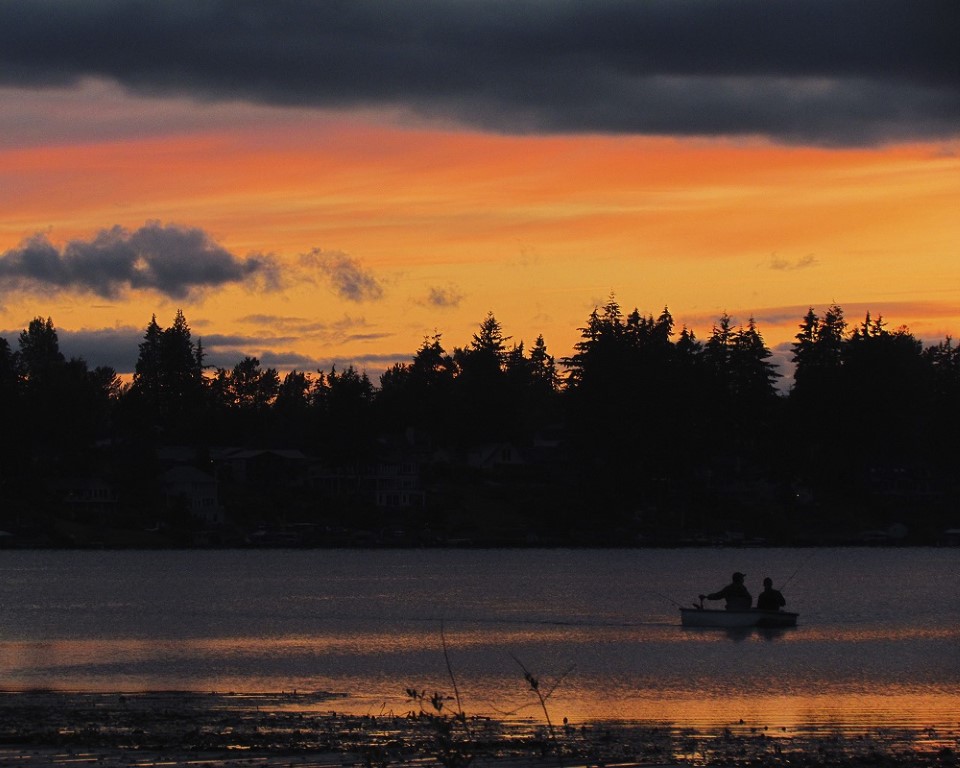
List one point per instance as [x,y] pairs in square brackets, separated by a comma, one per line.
[878,642]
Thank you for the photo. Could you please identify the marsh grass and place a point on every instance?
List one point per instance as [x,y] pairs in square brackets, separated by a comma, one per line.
[453,743]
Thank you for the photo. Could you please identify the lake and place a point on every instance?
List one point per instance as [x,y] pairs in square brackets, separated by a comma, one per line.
[878,641]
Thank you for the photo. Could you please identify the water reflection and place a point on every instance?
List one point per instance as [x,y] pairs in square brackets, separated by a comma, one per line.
[741,634]
[367,625]
[848,712]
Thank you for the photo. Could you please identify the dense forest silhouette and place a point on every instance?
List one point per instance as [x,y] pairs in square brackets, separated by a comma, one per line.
[644,434]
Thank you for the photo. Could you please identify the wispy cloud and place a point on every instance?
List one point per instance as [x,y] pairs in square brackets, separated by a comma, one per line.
[280,327]
[174,261]
[443,298]
[896,313]
[819,71]
[347,277]
[786,265]
[302,326]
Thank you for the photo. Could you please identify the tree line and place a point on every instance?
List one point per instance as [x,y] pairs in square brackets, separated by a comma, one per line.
[642,413]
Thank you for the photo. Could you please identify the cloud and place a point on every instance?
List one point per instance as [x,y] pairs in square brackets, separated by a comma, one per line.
[785,265]
[115,347]
[277,320]
[771,319]
[348,279]
[443,298]
[781,356]
[372,365]
[300,326]
[118,347]
[174,261]
[284,360]
[235,341]
[339,331]
[817,71]
[342,329]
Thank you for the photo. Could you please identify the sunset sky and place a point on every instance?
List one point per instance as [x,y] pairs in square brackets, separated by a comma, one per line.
[323,182]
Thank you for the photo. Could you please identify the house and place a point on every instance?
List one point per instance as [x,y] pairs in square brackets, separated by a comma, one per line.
[495,456]
[390,483]
[951,537]
[195,492]
[397,484]
[267,468]
[86,496]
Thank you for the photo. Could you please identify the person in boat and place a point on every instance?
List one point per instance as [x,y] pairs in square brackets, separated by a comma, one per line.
[770,599]
[735,593]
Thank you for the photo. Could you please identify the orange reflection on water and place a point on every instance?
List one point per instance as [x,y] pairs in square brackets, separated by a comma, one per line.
[855,633]
[850,713]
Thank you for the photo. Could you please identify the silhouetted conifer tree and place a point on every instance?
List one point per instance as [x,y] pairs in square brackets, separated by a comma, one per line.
[418,395]
[13,459]
[943,363]
[343,403]
[40,355]
[9,371]
[884,381]
[481,393]
[147,372]
[753,376]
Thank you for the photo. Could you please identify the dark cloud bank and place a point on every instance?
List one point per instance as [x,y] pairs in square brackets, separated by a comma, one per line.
[819,71]
[118,348]
[177,262]
[174,261]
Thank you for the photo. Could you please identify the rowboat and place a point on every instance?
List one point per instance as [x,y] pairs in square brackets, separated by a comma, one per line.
[746,617]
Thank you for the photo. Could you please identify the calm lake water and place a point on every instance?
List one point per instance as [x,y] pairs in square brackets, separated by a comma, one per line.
[878,641]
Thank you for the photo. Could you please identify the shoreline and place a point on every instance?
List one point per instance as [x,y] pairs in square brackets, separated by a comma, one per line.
[40,728]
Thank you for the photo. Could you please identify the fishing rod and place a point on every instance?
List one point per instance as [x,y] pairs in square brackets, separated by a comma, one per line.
[799,567]
[669,600]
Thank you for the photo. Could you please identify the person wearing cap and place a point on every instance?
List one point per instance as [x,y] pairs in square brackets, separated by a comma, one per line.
[735,594]
[770,599]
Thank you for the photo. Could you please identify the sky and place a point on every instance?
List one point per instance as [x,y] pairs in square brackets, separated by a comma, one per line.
[321,183]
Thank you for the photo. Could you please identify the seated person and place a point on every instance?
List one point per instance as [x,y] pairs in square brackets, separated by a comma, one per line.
[770,599]
[736,595]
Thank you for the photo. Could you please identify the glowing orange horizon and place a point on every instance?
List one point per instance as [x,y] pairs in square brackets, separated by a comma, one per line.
[536,229]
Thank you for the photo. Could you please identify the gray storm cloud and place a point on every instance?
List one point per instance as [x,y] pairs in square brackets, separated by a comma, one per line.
[817,71]
[171,260]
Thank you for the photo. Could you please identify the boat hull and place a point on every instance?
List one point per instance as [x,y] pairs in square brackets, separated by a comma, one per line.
[750,617]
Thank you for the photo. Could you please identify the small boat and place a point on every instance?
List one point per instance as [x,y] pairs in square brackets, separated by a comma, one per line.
[744,617]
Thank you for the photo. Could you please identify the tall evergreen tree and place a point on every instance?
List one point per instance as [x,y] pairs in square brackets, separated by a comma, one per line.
[343,402]
[40,354]
[481,393]
[719,349]
[543,368]
[9,370]
[12,459]
[487,354]
[148,370]
[754,377]
[817,353]
[249,386]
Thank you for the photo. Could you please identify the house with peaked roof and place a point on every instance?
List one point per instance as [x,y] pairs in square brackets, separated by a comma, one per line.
[495,456]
